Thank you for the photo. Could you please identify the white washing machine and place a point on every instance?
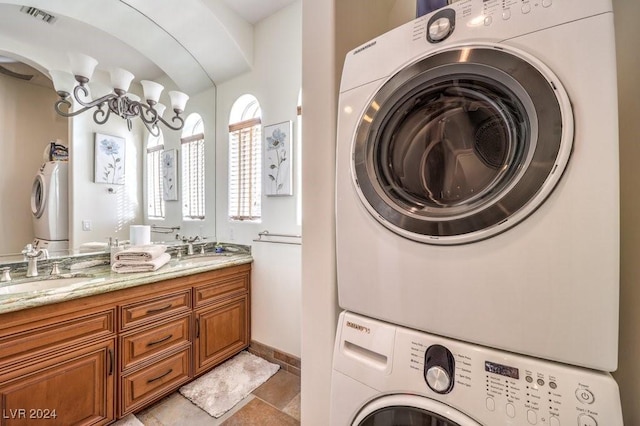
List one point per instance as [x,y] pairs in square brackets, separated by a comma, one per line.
[50,206]
[477,178]
[389,375]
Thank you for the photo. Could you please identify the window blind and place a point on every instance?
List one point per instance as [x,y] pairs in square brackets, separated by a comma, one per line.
[245,160]
[155,203]
[193,177]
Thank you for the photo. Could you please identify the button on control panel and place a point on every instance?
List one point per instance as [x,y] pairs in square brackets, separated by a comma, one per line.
[585,396]
[586,420]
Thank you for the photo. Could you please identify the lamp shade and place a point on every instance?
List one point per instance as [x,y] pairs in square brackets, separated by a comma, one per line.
[121,79]
[62,81]
[132,97]
[151,90]
[178,100]
[82,65]
[160,109]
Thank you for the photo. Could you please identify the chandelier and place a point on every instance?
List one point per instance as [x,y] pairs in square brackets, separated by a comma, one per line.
[120,103]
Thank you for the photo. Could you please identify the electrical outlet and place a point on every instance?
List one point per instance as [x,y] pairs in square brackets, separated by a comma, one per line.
[86,225]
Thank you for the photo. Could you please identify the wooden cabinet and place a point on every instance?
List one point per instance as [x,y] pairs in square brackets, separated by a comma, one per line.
[70,388]
[155,380]
[139,346]
[89,361]
[222,330]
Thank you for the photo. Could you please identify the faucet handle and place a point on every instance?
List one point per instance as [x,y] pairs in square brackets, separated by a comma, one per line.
[6,277]
[55,268]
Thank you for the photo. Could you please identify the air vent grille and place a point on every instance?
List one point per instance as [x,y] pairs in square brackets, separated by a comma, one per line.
[39,14]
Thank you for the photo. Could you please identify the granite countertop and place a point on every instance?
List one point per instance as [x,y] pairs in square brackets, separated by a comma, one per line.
[97,277]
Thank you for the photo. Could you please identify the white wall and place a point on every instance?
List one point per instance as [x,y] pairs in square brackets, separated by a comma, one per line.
[330,30]
[28,123]
[275,80]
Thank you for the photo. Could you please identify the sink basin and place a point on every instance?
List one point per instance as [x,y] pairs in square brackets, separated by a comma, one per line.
[43,284]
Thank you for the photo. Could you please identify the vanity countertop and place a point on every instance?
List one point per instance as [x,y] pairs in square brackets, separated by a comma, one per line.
[100,279]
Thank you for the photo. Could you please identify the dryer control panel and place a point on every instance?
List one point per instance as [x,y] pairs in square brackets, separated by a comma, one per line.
[491,386]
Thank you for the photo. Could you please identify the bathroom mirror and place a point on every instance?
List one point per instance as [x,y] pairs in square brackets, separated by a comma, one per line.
[145,40]
[96,211]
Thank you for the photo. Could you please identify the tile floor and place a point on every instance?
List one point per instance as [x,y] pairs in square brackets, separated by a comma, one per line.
[275,403]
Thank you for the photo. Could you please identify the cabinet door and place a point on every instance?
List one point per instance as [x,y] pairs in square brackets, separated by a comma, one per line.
[74,388]
[221,332]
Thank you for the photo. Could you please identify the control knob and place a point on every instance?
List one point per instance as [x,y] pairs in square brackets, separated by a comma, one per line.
[439,29]
[441,25]
[439,369]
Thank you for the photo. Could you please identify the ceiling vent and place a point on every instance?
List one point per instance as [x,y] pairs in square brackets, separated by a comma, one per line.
[39,14]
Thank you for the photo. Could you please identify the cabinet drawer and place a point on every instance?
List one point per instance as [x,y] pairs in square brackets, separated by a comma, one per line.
[146,343]
[154,381]
[218,289]
[146,311]
[32,342]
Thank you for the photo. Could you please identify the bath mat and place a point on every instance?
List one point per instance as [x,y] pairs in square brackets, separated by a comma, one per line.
[223,387]
[130,420]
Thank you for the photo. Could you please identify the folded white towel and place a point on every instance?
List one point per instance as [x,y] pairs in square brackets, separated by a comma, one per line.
[141,253]
[124,266]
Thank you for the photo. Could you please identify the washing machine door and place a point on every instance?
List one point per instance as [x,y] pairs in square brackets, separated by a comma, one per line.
[410,410]
[462,144]
[38,196]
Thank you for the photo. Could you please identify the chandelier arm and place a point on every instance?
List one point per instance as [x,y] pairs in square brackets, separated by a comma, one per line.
[103,113]
[144,111]
[177,117]
[68,104]
[93,103]
[151,127]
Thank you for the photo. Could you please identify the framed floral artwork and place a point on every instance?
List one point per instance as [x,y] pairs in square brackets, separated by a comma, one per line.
[170,174]
[109,159]
[278,168]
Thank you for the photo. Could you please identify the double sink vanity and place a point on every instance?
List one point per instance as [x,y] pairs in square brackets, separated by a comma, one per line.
[90,346]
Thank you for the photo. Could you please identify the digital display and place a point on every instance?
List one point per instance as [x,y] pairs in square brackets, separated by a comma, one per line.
[502,370]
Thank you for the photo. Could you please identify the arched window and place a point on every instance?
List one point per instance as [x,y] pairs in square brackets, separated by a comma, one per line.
[245,159]
[192,147]
[155,202]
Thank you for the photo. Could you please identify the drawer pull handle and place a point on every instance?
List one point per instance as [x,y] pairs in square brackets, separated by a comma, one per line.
[197,328]
[164,339]
[160,309]
[160,376]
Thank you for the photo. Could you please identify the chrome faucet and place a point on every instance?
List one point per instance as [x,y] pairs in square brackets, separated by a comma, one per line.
[190,242]
[32,256]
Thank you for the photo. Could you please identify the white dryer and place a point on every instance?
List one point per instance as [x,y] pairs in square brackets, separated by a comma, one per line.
[389,375]
[477,178]
[50,206]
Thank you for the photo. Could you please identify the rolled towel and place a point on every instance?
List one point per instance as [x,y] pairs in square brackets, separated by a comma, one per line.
[141,253]
[124,266]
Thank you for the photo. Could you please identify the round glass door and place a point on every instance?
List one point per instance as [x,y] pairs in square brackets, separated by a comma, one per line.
[38,197]
[462,145]
[410,410]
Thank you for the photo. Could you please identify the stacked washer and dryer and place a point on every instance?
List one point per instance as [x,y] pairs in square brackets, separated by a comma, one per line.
[50,206]
[477,219]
